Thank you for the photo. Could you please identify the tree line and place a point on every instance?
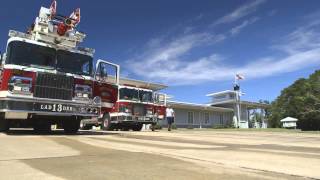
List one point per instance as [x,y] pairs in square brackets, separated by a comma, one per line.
[300,100]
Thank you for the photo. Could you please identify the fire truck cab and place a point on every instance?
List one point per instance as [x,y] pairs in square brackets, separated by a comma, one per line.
[138,103]
[45,78]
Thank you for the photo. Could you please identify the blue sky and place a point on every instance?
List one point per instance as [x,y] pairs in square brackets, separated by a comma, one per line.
[195,47]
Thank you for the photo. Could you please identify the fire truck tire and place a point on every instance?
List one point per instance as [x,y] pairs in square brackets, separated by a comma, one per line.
[106,123]
[71,126]
[4,125]
[137,127]
[42,126]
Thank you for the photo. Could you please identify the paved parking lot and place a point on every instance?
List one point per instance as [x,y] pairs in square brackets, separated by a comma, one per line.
[182,154]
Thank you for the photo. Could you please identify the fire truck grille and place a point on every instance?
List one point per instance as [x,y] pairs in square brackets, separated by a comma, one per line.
[53,86]
[139,110]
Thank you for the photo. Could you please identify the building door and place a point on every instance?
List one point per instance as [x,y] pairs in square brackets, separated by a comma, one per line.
[221,118]
[206,118]
[190,117]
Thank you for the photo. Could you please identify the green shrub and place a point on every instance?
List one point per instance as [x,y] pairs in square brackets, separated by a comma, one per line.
[218,126]
[174,126]
[157,126]
[190,127]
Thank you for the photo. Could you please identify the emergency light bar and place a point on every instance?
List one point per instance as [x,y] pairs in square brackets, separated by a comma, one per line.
[87,50]
[13,33]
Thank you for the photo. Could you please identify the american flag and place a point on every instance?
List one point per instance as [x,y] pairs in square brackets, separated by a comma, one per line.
[239,77]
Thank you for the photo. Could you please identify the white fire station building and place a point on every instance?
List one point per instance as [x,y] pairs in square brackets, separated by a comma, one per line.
[219,112]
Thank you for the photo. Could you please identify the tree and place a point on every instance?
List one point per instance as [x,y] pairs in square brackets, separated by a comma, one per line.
[300,100]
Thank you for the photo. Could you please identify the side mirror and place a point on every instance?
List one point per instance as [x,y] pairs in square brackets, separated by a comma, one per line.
[0,57]
[103,71]
[107,69]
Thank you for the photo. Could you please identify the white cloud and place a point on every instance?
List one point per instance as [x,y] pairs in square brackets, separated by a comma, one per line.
[174,62]
[206,69]
[240,12]
[244,24]
[169,61]
[306,37]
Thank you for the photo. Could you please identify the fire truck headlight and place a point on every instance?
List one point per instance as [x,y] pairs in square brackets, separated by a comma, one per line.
[149,112]
[82,91]
[20,85]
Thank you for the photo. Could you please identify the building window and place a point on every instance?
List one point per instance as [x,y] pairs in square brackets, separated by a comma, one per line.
[206,118]
[190,117]
[223,96]
[221,118]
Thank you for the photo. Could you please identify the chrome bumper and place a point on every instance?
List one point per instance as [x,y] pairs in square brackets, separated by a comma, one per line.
[42,106]
[124,117]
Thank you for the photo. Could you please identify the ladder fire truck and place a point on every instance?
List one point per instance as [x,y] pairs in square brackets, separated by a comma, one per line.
[138,103]
[46,78]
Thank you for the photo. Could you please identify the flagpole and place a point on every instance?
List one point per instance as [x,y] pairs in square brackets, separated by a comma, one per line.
[238,108]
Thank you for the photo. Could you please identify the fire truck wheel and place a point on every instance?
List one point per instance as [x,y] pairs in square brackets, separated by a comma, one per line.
[4,125]
[71,126]
[137,127]
[42,126]
[106,123]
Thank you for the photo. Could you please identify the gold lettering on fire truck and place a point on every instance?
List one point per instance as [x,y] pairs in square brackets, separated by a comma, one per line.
[56,107]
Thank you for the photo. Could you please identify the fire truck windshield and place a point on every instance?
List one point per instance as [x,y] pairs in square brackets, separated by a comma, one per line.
[145,96]
[27,54]
[74,63]
[129,94]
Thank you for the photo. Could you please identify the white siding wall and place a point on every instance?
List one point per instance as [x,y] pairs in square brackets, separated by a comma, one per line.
[181,119]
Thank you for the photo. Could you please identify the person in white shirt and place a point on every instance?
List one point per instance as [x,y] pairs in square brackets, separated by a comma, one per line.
[170,117]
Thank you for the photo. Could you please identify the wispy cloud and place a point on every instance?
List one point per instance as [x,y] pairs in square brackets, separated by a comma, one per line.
[176,60]
[169,61]
[158,56]
[240,12]
[306,37]
[272,12]
[244,24]
[211,68]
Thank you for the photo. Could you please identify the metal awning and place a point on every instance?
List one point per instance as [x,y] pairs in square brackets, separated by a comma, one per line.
[142,84]
[249,104]
[138,83]
[176,104]
[222,92]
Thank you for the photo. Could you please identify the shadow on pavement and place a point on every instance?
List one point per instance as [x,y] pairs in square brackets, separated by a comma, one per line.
[28,132]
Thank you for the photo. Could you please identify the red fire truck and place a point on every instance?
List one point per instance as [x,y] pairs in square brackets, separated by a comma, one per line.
[46,78]
[137,104]
[160,105]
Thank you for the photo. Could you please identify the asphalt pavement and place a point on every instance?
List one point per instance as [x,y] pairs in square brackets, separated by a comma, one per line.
[181,154]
